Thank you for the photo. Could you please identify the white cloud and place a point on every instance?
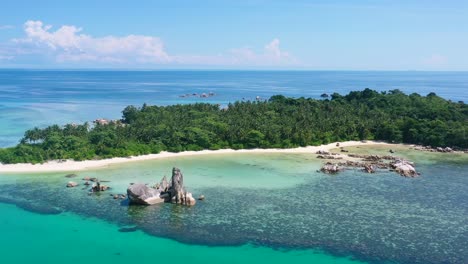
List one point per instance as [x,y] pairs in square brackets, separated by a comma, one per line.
[69,44]
[435,60]
[271,55]
[273,50]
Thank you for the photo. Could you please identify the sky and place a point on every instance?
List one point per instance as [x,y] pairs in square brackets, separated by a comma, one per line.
[257,34]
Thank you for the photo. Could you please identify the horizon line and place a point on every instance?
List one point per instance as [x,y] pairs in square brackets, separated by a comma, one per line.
[214,69]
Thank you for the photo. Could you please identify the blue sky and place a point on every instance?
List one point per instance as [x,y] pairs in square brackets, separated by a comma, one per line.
[256,34]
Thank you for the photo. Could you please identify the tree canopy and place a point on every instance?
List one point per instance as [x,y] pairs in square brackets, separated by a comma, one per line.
[280,122]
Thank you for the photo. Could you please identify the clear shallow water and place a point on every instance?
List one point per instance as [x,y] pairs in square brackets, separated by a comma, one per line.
[379,218]
[31,98]
[68,237]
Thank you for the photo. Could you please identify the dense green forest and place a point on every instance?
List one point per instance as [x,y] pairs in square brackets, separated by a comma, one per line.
[280,122]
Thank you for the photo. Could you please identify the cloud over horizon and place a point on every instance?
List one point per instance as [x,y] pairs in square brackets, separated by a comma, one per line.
[68,44]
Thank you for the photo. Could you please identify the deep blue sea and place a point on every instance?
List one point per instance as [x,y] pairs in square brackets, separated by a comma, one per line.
[31,98]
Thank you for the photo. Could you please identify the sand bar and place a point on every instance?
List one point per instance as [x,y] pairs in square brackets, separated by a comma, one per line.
[70,165]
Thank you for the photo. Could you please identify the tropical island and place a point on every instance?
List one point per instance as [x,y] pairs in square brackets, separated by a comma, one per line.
[279,122]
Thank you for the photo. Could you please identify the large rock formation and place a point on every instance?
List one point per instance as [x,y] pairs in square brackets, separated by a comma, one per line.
[177,192]
[173,192]
[139,193]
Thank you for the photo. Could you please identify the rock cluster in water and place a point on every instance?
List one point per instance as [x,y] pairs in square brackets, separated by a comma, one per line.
[170,192]
[95,187]
[369,164]
[440,149]
[431,149]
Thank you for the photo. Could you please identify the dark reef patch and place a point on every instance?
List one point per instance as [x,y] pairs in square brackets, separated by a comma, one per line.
[128,229]
[37,208]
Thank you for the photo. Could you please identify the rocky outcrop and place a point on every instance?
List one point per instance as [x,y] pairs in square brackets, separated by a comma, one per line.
[72,184]
[371,157]
[328,157]
[369,168]
[404,168]
[98,187]
[177,192]
[446,149]
[139,193]
[439,149]
[173,191]
[370,164]
[331,168]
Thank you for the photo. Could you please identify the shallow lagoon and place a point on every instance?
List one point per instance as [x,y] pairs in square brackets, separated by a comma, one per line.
[271,205]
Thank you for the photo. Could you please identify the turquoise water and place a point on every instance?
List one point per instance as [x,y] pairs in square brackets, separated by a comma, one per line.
[259,208]
[31,98]
[33,238]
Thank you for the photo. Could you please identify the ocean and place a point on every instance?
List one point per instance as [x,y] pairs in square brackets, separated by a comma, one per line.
[259,208]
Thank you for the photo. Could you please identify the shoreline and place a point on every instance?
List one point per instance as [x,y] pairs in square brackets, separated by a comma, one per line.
[70,165]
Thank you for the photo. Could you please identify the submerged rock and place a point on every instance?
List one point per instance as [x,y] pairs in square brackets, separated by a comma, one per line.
[128,229]
[70,176]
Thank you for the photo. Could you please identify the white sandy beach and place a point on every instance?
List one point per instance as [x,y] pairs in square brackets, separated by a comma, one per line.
[70,165]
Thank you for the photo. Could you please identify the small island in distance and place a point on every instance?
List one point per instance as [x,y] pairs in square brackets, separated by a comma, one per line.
[279,122]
